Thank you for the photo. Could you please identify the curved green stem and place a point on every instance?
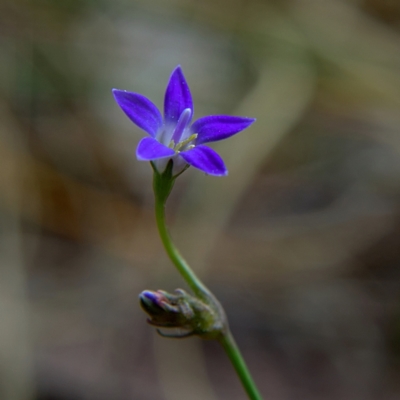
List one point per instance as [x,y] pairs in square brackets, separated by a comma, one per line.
[163,184]
[188,275]
[232,350]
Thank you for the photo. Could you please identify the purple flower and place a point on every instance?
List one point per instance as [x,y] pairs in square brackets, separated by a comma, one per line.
[174,137]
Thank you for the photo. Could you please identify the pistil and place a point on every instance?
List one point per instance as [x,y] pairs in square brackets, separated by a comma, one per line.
[183,121]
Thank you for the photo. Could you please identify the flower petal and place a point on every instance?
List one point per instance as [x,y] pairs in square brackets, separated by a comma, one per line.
[219,127]
[140,110]
[177,96]
[149,149]
[206,159]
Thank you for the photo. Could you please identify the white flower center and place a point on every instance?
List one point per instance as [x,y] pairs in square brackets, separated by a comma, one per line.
[184,145]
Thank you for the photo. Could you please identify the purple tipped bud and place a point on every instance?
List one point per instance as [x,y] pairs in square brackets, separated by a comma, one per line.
[151,302]
[183,311]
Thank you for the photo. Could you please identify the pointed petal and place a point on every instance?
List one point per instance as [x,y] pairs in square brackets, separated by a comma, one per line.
[177,96]
[219,127]
[140,110]
[206,159]
[149,149]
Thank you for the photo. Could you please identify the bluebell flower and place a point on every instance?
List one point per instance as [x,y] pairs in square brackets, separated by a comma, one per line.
[174,137]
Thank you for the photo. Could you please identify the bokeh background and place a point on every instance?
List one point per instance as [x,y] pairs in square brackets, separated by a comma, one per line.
[301,242]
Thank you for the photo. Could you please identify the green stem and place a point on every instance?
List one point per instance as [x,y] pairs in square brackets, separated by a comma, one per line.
[163,184]
[188,275]
[232,350]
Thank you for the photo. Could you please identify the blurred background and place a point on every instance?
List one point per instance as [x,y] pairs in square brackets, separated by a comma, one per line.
[301,242]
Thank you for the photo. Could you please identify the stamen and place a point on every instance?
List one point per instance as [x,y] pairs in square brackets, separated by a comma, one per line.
[186,141]
[181,125]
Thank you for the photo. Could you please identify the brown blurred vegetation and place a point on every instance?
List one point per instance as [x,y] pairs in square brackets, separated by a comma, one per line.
[301,242]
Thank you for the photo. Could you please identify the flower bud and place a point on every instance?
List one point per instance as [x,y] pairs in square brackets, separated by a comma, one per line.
[181,310]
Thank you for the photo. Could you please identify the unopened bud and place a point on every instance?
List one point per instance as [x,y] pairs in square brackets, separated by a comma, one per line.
[181,310]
